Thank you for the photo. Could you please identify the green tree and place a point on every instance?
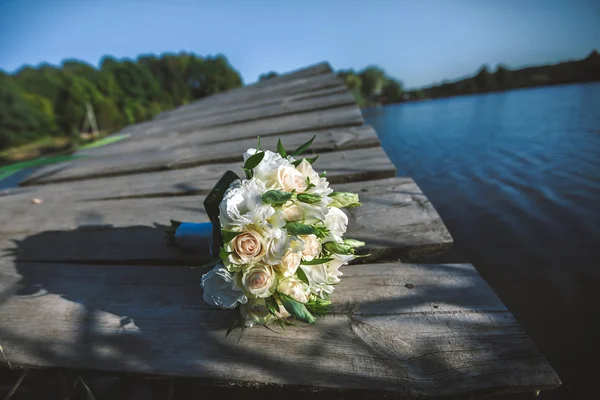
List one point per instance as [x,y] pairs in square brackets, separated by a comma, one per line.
[484,80]
[21,119]
[392,91]
[267,76]
[373,79]
[503,77]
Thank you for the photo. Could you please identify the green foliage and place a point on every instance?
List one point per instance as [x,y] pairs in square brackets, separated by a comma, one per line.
[297,309]
[297,228]
[51,100]
[373,80]
[503,77]
[267,76]
[484,80]
[276,197]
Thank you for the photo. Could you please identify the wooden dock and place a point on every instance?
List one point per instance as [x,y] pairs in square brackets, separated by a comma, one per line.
[87,281]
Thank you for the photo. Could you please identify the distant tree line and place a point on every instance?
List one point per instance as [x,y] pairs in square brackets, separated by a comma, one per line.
[503,78]
[51,101]
[372,86]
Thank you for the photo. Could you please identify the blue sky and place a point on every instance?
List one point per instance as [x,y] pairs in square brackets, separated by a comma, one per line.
[418,42]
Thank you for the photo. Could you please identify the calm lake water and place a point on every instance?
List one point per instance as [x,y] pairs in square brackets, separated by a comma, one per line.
[516,178]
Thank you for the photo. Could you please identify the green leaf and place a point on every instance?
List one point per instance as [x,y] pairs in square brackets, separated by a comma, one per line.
[280,323]
[321,231]
[338,248]
[312,160]
[236,323]
[248,173]
[309,198]
[211,205]
[297,309]
[272,305]
[254,160]
[302,275]
[323,174]
[276,197]
[316,261]
[297,228]
[318,306]
[223,254]
[302,148]
[281,149]
[228,236]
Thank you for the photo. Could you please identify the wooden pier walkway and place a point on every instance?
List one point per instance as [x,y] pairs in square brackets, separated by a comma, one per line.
[88,282]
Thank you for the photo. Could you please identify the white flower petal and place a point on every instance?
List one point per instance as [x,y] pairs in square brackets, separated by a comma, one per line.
[220,288]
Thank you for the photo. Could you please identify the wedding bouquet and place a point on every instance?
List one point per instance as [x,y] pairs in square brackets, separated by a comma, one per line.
[277,239]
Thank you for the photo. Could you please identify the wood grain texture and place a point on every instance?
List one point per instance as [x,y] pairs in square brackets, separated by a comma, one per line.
[174,154]
[301,81]
[314,88]
[340,117]
[191,121]
[448,336]
[341,166]
[263,108]
[129,231]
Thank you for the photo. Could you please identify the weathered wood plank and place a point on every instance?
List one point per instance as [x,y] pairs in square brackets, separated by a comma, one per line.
[249,109]
[448,336]
[341,166]
[265,108]
[340,117]
[191,121]
[396,221]
[315,87]
[319,76]
[174,155]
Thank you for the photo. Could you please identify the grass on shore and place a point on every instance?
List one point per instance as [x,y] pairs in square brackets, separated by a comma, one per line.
[43,146]
[47,150]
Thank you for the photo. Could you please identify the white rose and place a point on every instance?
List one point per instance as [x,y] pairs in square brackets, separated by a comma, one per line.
[312,247]
[336,221]
[220,288]
[333,266]
[259,281]
[293,213]
[289,263]
[248,247]
[267,168]
[295,288]
[242,205]
[321,185]
[276,248]
[255,312]
[317,277]
[288,179]
[313,213]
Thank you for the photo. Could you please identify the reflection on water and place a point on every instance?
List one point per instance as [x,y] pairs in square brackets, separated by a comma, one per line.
[516,178]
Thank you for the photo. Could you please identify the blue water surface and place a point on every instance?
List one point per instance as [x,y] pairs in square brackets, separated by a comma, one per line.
[516,178]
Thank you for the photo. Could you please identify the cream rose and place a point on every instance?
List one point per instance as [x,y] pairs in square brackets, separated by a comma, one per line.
[289,178]
[289,263]
[248,247]
[295,288]
[293,213]
[259,281]
[255,312]
[312,247]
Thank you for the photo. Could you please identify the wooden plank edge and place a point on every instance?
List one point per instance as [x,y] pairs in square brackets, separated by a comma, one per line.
[45,175]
